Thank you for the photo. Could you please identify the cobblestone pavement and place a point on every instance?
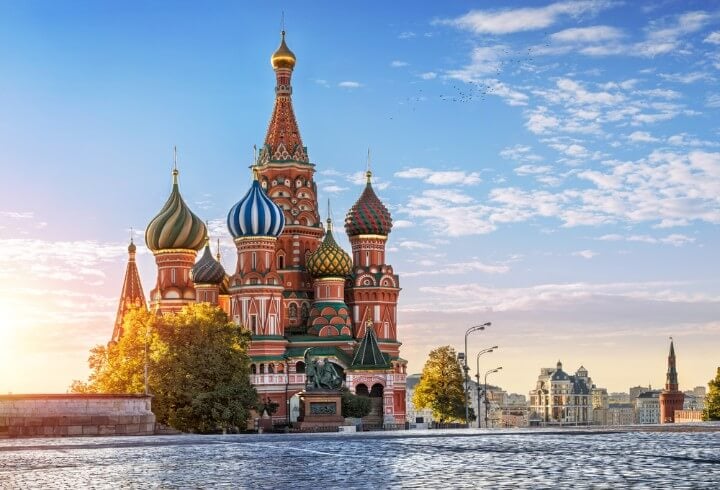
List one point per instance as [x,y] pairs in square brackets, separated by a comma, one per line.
[414,459]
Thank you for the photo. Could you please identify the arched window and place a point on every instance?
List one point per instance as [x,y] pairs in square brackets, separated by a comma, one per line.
[293,310]
[362,390]
[281,262]
[253,369]
[262,368]
[271,368]
[300,367]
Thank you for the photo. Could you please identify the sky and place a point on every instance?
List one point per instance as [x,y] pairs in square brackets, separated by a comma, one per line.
[552,168]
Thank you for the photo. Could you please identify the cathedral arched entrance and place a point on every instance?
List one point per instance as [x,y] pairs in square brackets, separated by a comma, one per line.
[362,390]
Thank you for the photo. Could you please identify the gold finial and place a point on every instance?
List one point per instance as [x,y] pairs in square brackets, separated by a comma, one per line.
[175,171]
[282,22]
[329,218]
[255,172]
[131,234]
[283,57]
[368,172]
[218,250]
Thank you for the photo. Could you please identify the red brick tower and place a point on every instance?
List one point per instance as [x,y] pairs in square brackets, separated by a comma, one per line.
[671,398]
[286,174]
[174,236]
[131,296]
[256,289]
[373,289]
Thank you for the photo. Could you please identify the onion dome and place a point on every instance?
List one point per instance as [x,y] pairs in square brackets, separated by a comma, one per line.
[255,215]
[329,260]
[282,57]
[132,248]
[207,270]
[368,216]
[175,226]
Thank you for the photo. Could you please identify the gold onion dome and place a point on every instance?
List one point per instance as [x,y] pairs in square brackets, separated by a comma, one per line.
[329,260]
[283,57]
[175,226]
[207,270]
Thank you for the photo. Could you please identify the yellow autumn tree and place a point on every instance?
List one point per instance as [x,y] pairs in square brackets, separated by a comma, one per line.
[198,367]
[441,386]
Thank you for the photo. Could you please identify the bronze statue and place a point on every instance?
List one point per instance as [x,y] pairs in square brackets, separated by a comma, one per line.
[321,375]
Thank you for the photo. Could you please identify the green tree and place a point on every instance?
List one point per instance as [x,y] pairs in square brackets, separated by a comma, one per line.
[197,363]
[712,400]
[441,386]
[355,405]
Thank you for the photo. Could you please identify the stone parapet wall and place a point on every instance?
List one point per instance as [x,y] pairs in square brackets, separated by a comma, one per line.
[75,415]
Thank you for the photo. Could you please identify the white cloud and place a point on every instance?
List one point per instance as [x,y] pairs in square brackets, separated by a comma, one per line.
[686,78]
[467,298]
[663,39]
[483,61]
[428,75]
[406,35]
[350,84]
[402,223]
[413,245]
[713,38]
[399,64]
[461,268]
[540,121]
[506,21]
[713,100]
[334,189]
[520,153]
[532,169]
[676,240]
[440,177]
[642,137]
[587,34]
[585,254]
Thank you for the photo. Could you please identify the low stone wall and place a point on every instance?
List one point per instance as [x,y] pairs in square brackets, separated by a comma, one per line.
[75,415]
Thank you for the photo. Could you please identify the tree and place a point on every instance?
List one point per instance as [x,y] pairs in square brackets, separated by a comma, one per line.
[712,400]
[197,364]
[355,405]
[441,386]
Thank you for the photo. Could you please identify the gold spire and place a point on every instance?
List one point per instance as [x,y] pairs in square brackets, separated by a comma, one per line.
[368,172]
[218,256]
[283,57]
[329,218]
[175,171]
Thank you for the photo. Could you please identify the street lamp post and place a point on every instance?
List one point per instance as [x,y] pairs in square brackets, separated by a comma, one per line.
[474,328]
[486,397]
[477,377]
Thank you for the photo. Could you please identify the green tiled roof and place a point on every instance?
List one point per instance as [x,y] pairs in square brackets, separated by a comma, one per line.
[368,355]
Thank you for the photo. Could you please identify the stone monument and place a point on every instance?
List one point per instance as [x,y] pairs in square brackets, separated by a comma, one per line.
[321,402]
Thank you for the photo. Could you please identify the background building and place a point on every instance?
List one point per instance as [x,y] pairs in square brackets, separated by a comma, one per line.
[647,407]
[671,398]
[560,398]
[621,414]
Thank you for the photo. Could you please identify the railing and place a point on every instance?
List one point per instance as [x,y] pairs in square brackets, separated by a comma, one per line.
[276,379]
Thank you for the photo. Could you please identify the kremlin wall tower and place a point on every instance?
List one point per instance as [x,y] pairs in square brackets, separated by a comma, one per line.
[293,286]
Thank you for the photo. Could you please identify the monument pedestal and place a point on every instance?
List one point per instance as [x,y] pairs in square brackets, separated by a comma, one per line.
[320,408]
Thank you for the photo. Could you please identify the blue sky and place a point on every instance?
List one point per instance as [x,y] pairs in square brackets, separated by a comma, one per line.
[551,167]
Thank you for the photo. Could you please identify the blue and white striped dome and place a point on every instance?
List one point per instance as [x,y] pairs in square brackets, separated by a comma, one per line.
[255,215]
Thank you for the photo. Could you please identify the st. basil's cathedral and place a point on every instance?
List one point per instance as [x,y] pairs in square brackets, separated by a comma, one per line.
[293,286]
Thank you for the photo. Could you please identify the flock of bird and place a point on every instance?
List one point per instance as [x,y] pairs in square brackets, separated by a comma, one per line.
[478,89]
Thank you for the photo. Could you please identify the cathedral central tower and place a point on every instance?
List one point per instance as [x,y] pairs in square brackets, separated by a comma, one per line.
[286,174]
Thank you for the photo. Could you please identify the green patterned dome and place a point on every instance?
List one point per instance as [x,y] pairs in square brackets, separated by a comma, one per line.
[329,260]
[175,226]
